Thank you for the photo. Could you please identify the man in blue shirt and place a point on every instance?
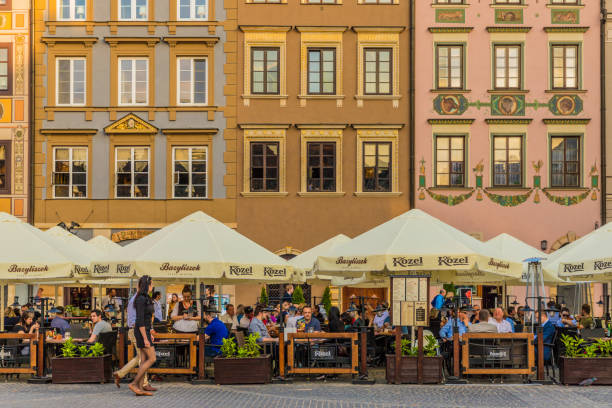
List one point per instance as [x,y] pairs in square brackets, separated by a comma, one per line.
[310,325]
[446,332]
[59,323]
[215,333]
[438,300]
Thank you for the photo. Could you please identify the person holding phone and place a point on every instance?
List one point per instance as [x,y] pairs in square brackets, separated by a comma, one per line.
[186,314]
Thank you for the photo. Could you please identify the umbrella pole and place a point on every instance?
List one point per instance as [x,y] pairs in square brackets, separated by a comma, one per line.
[2,307]
[55,287]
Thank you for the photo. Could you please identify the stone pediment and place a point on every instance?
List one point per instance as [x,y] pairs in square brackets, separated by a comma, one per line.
[131,124]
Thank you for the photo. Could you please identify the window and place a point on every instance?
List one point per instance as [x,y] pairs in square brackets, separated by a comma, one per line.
[507,66]
[133,10]
[264,166]
[507,156]
[193,9]
[449,66]
[321,71]
[450,161]
[565,158]
[377,166]
[133,81]
[321,166]
[71,9]
[132,172]
[70,172]
[70,82]
[190,172]
[5,165]
[377,72]
[5,4]
[265,78]
[565,66]
[6,69]
[192,81]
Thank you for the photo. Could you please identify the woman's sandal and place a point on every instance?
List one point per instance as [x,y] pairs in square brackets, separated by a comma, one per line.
[137,391]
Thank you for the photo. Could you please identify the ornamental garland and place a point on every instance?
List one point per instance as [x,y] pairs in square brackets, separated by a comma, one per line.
[508,200]
[450,199]
[568,200]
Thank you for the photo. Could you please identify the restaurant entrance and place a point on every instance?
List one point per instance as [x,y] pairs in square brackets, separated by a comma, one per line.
[374,296]
[492,296]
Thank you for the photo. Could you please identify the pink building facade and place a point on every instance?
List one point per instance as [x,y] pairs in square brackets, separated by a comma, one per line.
[507,119]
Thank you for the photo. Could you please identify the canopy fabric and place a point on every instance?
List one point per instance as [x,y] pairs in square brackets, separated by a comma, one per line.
[76,249]
[516,250]
[417,242]
[27,254]
[197,246]
[103,244]
[586,259]
[306,260]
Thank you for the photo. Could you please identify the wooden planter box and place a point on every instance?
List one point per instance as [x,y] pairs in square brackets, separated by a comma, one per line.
[432,370]
[256,370]
[574,370]
[82,370]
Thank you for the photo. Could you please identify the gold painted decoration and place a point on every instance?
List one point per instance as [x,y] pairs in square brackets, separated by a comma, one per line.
[5,110]
[6,21]
[131,124]
[20,50]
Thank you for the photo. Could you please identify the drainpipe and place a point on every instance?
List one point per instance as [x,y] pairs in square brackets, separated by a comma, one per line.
[411,132]
[31,122]
[604,17]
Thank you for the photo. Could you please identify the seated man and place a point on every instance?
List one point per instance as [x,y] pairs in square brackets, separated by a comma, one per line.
[474,318]
[59,323]
[503,326]
[257,325]
[215,333]
[586,320]
[382,319]
[483,325]
[511,317]
[446,332]
[100,326]
[311,325]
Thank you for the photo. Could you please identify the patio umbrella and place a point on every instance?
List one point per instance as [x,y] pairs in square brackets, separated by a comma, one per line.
[516,250]
[306,260]
[416,242]
[197,247]
[78,250]
[103,244]
[588,259]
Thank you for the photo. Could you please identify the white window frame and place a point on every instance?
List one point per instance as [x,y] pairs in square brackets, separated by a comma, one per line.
[57,73]
[133,103]
[70,160]
[178,81]
[192,11]
[174,183]
[72,5]
[133,11]
[133,184]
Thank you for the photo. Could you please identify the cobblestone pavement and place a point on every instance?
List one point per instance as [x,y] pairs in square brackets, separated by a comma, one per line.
[305,395]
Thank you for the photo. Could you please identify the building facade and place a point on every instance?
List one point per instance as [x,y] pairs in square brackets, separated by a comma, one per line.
[322,90]
[508,134]
[15,107]
[129,108]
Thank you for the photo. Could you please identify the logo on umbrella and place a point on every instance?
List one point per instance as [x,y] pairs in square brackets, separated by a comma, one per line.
[241,270]
[269,271]
[452,261]
[601,265]
[573,267]
[403,261]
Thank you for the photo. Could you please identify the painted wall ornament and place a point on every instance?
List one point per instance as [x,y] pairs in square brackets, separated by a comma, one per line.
[508,16]
[508,105]
[450,104]
[450,16]
[564,16]
[565,105]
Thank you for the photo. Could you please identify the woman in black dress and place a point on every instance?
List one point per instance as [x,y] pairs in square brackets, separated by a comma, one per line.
[142,332]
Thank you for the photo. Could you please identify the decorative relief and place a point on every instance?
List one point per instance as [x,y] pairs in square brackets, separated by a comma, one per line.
[508,16]
[450,16]
[564,16]
[508,105]
[265,133]
[131,124]
[19,172]
[20,48]
[450,104]
[565,105]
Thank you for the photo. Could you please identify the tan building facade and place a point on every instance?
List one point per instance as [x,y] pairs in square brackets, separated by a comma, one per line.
[322,91]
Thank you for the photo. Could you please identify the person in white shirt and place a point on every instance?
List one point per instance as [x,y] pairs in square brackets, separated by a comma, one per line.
[186,314]
[230,316]
[503,326]
[246,318]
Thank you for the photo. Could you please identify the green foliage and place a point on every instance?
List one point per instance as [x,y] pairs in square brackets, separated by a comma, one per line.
[228,348]
[83,350]
[590,351]
[431,347]
[449,287]
[572,344]
[298,296]
[69,349]
[326,300]
[408,350]
[250,345]
[263,297]
[605,347]
[97,350]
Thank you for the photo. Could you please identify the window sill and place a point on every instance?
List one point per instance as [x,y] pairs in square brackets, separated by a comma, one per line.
[565,6]
[321,194]
[320,96]
[264,194]
[566,189]
[381,97]
[565,91]
[518,6]
[264,96]
[377,194]
[450,189]
[508,189]
[449,91]
[508,91]
[445,6]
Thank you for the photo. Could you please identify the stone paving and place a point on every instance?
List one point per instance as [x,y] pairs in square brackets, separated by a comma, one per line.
[305,395]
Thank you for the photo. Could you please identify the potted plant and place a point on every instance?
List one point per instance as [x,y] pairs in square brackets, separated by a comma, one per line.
[581,362]
[326,300]
[263,297]
[298,296]
[81,364]
[432,363]
[242,365]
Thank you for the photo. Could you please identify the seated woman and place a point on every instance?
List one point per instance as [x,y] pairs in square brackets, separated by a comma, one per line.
[26,325]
